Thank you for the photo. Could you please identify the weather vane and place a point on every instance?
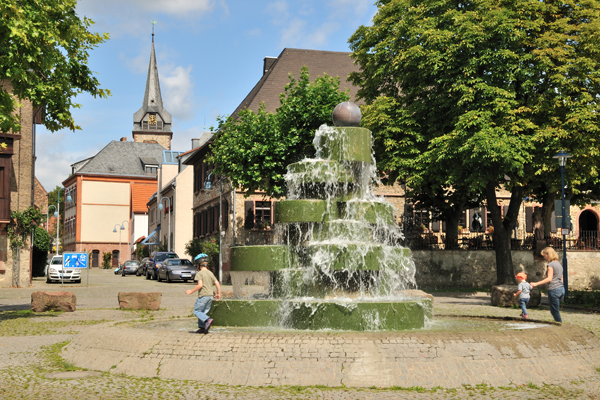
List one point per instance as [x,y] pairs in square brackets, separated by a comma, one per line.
[153,23]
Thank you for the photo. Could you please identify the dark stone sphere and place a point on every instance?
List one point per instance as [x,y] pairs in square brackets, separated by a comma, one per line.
[346,114]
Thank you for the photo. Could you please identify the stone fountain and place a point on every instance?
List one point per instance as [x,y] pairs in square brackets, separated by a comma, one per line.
[337,263]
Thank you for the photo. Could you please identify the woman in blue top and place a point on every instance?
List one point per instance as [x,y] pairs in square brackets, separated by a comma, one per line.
[554,279]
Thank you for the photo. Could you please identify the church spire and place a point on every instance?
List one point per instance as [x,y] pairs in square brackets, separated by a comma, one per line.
[152,119]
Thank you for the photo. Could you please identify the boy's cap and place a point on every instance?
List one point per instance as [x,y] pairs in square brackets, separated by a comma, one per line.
[522,275]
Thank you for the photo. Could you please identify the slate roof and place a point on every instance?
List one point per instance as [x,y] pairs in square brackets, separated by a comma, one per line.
[291,61]
[121,159]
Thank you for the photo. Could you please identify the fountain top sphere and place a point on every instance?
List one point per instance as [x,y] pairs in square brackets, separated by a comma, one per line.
[346,114]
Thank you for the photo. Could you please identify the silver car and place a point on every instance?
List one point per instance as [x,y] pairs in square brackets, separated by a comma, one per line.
[57,274]
[130,267]
[177,269]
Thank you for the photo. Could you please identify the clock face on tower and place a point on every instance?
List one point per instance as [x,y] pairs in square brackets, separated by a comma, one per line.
[152,119]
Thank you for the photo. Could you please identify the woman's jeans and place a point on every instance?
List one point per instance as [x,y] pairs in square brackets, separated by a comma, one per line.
[201,308]
[554,298]
[523,304]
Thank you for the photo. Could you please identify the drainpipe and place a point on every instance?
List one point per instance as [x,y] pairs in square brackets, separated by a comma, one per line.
[33,158]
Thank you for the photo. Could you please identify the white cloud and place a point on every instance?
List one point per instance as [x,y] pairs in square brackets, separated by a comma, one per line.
[182,140]
[254,32]
[132,17]
[293,34]
[321,35]
[279,11]
[53,164]
[177,91]
[346,7]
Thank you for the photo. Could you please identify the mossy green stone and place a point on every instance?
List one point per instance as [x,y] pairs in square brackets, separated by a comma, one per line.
[260,258]
[350,144]
[287,211]
[321,171]
[307,315]
[233,312]
[375,213]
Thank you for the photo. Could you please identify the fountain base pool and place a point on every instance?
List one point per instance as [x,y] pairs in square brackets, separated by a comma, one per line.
[318,315]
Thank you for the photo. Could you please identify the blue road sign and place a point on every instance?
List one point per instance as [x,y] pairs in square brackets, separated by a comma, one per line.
[75,260]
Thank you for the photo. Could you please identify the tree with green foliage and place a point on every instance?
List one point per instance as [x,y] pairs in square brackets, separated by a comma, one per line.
[489,91]
[254,150]
[22,224]
[198,246]
[44,55]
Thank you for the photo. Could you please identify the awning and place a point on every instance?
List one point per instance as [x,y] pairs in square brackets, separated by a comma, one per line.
[153,236]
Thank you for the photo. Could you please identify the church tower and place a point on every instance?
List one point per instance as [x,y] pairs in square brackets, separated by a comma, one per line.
[152,123]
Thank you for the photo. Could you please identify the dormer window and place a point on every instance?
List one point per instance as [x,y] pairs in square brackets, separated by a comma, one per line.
[151,169]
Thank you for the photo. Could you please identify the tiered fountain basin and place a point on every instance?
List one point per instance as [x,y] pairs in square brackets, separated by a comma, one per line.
[322,314]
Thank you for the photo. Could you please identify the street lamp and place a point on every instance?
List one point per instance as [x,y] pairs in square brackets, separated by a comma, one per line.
[161,207]
[208,186]
[128,237]
[69,199]
[121,228]
[48,216]
[562,161]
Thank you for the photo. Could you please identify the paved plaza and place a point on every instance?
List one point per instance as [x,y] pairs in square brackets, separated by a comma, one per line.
[101,352]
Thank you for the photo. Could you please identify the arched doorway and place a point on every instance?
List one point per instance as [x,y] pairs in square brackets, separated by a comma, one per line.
[588,229]
[115,259]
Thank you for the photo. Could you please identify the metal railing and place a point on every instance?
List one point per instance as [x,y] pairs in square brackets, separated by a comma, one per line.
[585,240]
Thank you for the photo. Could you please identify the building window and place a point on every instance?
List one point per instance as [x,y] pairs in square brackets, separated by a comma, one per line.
[151,169]
[258,214]
[170,157]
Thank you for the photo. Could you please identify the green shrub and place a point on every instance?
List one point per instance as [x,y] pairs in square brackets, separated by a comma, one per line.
[106,258]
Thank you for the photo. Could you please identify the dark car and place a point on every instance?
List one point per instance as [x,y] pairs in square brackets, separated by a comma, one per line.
[155,261]
[130,267]
[142,269]
[176,269]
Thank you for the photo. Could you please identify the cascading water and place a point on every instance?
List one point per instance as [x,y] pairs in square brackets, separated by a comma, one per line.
[338,263]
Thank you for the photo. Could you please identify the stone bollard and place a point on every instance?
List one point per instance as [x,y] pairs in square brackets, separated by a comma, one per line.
[502,296]
[140,301]
[53,301]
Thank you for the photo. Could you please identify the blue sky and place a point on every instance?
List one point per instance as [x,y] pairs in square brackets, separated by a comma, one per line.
[209,53]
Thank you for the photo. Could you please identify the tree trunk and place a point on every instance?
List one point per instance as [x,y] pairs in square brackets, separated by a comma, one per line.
[452,230]
[547,207]
[16,267]
[505,273]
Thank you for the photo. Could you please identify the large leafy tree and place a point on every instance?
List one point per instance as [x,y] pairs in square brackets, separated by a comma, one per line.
[254,150]
[489,90]
[44,54]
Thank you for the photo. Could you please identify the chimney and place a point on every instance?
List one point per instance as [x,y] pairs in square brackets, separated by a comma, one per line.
[267,63]
[195,143]
[123,139]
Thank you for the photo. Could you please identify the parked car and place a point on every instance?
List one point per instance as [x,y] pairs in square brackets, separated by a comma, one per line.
[155,261]
[175,269]
[142,269]
[130,267]
[57,274]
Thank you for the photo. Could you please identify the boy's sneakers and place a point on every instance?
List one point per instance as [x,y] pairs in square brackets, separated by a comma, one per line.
[207,325]
[200,330]
[521,315]
[524,316]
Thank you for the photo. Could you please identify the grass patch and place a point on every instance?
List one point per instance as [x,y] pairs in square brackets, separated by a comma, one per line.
[52,355]
[27,323]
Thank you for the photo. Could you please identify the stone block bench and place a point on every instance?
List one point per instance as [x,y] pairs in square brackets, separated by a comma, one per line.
[140,301]
[53,301]
[502,296]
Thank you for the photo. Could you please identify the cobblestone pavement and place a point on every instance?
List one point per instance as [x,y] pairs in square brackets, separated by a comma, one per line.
[31,351]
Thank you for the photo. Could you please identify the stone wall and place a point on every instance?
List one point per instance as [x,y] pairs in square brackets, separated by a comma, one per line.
[468,269]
